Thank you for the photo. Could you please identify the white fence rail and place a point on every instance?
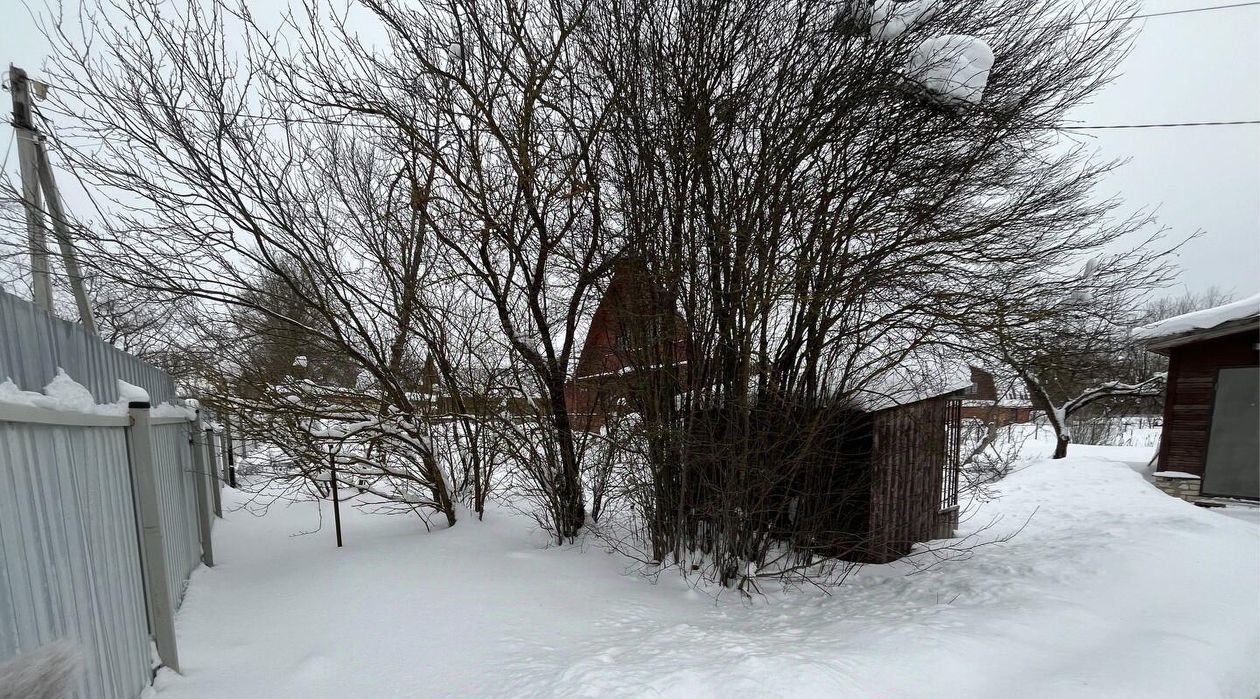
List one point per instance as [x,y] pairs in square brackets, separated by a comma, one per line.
[103,518]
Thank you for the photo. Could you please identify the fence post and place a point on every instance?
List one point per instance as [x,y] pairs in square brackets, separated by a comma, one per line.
[231,451]
[214,473]
[152,550]
[201,481]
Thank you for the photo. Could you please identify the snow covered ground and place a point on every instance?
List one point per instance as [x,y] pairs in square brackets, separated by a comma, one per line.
[1111,589]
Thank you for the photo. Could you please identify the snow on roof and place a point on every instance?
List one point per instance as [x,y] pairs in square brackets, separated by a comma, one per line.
[912,381]
[999,403]
[1200,320]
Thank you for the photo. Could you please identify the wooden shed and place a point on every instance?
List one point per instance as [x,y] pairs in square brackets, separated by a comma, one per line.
[914,454]
[1210,446]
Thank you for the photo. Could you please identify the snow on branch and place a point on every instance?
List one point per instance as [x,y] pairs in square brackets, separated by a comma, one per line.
[890,18]
[1153,386]
[954,68]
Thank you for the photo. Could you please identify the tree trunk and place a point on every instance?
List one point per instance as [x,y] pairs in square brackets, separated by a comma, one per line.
[1060,447]
[441,496]
[571,514]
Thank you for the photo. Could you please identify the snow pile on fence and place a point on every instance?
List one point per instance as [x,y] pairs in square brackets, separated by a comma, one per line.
[1200,320]
[64,394]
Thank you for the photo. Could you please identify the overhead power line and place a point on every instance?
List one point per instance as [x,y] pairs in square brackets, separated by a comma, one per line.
[1167,13]
[1161,126]
[262,119]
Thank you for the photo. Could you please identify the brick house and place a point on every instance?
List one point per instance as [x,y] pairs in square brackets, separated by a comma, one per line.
[984,402]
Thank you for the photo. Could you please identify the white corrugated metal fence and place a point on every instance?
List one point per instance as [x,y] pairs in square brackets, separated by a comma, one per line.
[77,530]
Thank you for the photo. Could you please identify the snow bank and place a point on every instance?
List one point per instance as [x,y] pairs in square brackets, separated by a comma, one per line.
[1109,589]
[1200,320]
[953,68]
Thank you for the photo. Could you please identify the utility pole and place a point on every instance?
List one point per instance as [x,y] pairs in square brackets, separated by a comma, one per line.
[37,175]
[28,162]
[62,232]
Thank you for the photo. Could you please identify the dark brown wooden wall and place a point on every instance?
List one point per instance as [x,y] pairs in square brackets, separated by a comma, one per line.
[1188,402]
[908,455]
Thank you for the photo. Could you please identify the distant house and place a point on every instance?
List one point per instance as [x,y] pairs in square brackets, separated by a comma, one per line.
[1210,446]
[904,427]
[983,401]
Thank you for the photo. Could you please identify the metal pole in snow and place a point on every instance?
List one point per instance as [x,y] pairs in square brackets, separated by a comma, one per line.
[231,451]
[336,493]
[213,471]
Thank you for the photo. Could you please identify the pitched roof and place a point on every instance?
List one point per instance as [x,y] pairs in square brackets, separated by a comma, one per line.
[917,378]
[1201,325]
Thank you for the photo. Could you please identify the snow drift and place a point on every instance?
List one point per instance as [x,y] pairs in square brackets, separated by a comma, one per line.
[1110,589]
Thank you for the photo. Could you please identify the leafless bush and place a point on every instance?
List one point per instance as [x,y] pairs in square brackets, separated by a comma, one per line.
[808,220]
[991,453]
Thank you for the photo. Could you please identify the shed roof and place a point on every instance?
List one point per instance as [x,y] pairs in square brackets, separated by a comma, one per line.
[915,379]
[1227,319]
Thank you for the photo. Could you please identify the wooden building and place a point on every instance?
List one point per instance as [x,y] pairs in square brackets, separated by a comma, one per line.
[914,475]
[894,461]
[1210,445]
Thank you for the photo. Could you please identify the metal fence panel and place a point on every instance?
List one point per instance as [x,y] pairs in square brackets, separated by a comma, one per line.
[34,343]
[177,495]
[69,562]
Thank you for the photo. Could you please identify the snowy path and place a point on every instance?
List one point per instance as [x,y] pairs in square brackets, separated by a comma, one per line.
[1112,590]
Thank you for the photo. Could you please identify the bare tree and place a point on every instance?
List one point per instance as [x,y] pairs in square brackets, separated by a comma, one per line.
[216,195]
[817,212]
[1064,333]
[496,102]
[817,198]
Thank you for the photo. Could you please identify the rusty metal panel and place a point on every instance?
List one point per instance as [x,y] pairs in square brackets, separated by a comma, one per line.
[69,562]
[35,343]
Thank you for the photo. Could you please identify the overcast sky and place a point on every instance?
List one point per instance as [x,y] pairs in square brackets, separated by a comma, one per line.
[1184,68]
